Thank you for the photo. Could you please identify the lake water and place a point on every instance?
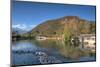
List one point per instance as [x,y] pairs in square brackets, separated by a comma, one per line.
[32,52]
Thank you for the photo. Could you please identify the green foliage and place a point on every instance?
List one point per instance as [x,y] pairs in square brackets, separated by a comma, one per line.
[67,37]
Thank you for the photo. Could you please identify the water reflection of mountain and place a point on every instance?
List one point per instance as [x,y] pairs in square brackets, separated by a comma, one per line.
[69,51]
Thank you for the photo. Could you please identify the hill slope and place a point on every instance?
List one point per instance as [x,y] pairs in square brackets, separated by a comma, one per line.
[57,26]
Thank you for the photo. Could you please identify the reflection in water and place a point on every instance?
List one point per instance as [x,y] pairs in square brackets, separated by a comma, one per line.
[46,52]
[45,59]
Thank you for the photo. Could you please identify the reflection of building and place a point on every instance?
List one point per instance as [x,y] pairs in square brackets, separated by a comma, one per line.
[88,40]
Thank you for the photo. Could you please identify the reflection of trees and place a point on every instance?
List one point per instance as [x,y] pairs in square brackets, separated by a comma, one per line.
[72,52]
[67,50]
[47,43]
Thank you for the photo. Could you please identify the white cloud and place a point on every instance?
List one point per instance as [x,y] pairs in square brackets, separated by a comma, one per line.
[24,26]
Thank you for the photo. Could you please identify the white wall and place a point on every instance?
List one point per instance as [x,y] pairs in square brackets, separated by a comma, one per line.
[5,33]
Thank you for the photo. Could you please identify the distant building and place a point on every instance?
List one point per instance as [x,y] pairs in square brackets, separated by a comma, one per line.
[40,37]
[14,33]
[88,40]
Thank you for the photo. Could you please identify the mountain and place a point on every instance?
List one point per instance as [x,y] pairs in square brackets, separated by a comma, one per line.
[58,26]
[18,30]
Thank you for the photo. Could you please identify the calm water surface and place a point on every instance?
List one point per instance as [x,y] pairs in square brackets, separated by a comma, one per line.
[27,52]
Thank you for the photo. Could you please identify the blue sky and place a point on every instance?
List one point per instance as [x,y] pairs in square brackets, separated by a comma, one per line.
[27,15]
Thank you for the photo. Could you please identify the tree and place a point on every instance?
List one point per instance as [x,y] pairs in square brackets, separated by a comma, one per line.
[71,29]
[67,37]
